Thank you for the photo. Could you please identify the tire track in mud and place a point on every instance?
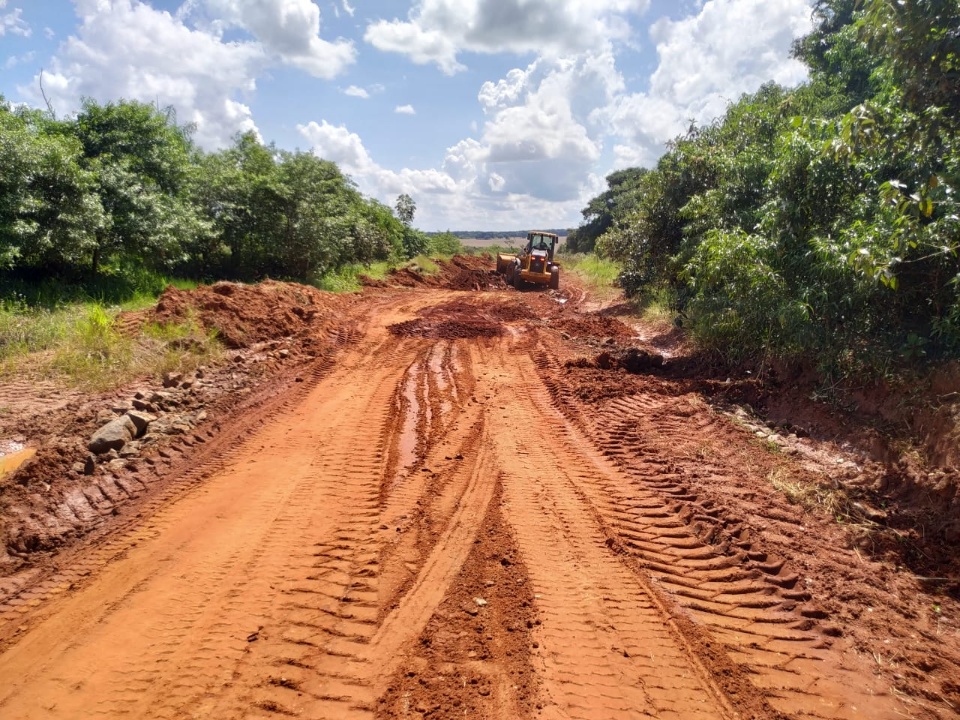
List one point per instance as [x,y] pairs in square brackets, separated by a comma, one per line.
[322,579]
[472,659]
[179,472]
[200,602]
[606,646]
[274,609]
[307,572]
[751,602]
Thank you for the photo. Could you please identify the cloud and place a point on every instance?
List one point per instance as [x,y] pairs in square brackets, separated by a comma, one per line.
[12,22]
[337,144]
[438,31]
[533,162]
[348,8]
[108,59]
[15,60]
[358,92]
[405,110]
[289,30]
[707,61]
[541,135]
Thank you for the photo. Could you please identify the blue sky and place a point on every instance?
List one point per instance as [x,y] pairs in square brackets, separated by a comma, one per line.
[491,114]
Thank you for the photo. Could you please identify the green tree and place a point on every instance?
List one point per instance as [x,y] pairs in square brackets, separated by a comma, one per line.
[406,209]
[141,159]
[50,211]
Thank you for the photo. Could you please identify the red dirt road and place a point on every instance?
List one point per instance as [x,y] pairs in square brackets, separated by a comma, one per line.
[439,528]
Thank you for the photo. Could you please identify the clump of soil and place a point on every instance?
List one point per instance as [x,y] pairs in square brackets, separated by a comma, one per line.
[446,329]
[590,384]
[450,321]
[593,325]
[461,272]
[243,315]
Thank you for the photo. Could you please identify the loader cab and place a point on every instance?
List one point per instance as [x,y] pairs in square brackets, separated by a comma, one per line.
[540,242]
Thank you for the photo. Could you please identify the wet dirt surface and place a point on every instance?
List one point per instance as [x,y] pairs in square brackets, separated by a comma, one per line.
[485,505]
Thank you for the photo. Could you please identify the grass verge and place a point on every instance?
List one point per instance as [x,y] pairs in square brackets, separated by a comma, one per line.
[81,345]
[347,278]
[597,274]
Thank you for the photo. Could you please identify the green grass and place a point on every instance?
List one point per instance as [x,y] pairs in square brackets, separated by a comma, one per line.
[347,278]
[129,289]
[656,305]
[25,329]
[80,345]
[142,300]
[92,352]
[425,265]
[597,273]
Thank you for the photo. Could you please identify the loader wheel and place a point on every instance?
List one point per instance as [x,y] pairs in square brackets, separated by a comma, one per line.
[517,280]
[555,278]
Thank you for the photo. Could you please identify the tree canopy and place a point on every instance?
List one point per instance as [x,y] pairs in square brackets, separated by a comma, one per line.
[121,186]
[817,224]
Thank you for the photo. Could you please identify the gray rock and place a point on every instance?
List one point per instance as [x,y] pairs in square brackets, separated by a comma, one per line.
[130,450]
[140,421]
[144,405]
[172,379]
[89,465]
[112,436]
[180,428]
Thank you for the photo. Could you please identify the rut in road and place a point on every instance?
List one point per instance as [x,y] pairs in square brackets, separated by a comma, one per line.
[302,576]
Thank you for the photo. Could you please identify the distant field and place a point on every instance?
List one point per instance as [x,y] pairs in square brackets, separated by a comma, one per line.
[517,241]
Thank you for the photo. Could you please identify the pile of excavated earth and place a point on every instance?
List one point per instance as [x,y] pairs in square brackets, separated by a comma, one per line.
[442,497]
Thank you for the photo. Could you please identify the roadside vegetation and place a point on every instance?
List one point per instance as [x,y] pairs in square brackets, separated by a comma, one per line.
[818,226]
[101,212]
[86,345]
[597,273]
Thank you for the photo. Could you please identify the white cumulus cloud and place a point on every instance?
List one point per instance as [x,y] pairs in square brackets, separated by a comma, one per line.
[533,160]
[707,61]
[438,31]
[289,30]
[354,91]
[405,110]
[12,22]
[108,58]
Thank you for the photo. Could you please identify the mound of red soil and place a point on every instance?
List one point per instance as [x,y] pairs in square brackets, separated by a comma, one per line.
[461,272]
[450,321]
[593,325]
[243,315]
[464,272]
[511,312]
[446,329]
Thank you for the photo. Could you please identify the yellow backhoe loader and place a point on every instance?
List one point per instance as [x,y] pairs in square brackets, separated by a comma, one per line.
[534,264]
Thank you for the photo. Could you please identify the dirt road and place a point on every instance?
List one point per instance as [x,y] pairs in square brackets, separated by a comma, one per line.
[438,529]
